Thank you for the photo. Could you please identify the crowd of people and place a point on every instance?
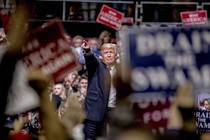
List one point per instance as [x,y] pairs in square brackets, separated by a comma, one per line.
[97,57]
[85,105]
[89,103]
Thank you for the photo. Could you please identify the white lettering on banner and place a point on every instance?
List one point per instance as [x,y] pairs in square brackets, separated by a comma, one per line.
[174,60]
[202,125]
[47,52]
[62,45]
[160,43]
[154,98]
[200,77]
[139,80]
[182,43]
[159,78]
[164,41]
[201,119]
[55,65]
[107,15]
[142,78]
[37,58]
[202,114]
[113,13]
[195,19]
[155,116]
[193,15]
[31,46]
[110,16]
[196,42]
[44,54]
[206,36]
[104,19]
[151,100]
[114,23]
[149,44]
[114,18]
[145,45]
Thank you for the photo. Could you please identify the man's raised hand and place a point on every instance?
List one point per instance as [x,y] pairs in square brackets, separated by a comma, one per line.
[85,45]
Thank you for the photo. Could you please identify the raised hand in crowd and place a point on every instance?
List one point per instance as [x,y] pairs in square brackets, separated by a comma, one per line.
[10,58]
[73,115]
[182,122]
[53,129]
[2,35]
[85,46]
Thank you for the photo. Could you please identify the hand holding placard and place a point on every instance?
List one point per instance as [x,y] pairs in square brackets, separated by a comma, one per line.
[85,46]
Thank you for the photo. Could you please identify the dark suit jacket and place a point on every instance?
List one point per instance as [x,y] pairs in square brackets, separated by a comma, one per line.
[99,81]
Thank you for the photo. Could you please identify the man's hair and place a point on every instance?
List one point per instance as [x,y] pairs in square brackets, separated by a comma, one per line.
[109,46]
[83,77]
[77,37]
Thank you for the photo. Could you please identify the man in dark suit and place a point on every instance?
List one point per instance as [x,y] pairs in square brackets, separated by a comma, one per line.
[101,95]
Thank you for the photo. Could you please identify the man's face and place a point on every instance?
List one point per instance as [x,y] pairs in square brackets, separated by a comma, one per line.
[78,43]
[83,83]
[57,89]
[109,56]
[93,44]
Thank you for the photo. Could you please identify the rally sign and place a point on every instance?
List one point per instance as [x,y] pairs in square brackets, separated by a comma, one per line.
[128,20]
[110,17]
[202,110]
[194,18]
[158,61]
[203,120]
[49,51]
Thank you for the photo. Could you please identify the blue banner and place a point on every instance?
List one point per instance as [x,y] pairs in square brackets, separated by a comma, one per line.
[161,59]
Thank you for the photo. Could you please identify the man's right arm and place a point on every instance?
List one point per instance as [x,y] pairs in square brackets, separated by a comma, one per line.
[90,60]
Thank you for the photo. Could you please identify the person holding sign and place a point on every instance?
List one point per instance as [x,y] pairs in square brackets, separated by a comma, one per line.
[101,94]
[205,104]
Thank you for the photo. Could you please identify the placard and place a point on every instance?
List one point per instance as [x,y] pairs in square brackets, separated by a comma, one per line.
[194,18]
[157,61]
[110,17]
[49,51]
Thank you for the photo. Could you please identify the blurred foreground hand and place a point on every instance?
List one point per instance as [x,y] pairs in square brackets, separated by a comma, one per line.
[38,81]
[181,113]
[52,127]
[2,37]
[74,114]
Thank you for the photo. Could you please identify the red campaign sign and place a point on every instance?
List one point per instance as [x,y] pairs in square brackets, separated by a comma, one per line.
[110,17]
[194,18]
[48,50]
[153,113]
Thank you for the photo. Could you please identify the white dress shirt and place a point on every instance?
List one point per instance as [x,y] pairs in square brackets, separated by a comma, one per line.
[112,94]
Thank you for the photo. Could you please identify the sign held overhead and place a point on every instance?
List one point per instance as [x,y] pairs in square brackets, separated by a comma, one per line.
[110,17]
[49,51]
[194,18]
